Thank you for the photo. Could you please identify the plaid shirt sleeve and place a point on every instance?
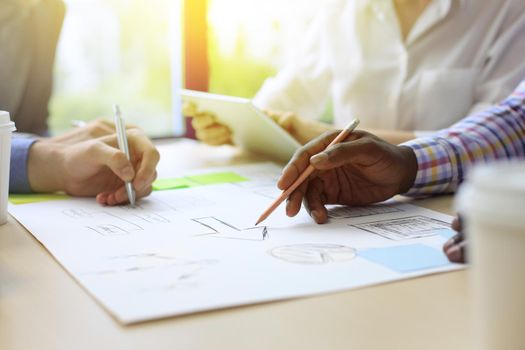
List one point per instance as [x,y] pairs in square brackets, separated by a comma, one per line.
[446,157]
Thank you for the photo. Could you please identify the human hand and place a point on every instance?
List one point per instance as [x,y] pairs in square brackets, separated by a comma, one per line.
[207,128]
[303,130]
[91,130]
[361,170]
[94,167]
[456,247]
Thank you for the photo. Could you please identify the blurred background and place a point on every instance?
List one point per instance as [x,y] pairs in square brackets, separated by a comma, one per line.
[139,53]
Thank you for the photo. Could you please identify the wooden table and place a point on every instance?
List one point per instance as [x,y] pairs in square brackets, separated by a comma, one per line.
[42,307]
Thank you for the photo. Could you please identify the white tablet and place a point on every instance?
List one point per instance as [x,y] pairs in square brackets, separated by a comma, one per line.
[252,129]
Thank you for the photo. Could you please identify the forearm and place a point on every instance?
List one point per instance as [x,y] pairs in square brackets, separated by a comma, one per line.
[446,158]
[394,137]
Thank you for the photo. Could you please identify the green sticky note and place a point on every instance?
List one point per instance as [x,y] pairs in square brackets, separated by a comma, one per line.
[198,180]
[170,184]
[216,178]
[35,198]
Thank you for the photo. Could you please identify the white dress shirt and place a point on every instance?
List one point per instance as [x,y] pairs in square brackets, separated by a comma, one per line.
[460,56]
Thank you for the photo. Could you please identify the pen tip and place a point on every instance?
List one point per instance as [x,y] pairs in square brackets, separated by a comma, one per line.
[116,109]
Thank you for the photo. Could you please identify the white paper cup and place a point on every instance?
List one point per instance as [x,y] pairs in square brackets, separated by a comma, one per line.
[6,129]
[492,203]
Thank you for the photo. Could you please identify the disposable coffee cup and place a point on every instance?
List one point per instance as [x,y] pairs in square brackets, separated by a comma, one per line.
[6,129]
[492,203]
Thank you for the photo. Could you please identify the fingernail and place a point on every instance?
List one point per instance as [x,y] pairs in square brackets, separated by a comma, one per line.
[139,184]
[448,244]
[127,171]
[315,215]
[319,158]
[454,254]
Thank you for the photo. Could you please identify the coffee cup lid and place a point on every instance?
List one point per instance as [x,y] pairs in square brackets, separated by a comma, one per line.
[494,192]
[5,121]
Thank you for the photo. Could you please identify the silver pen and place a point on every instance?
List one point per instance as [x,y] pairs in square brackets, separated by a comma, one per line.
[123,145]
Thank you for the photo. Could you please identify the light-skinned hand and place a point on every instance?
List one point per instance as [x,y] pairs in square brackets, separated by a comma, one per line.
[94,167]
[207,128]
[301,129]
[361,170]
[93,129]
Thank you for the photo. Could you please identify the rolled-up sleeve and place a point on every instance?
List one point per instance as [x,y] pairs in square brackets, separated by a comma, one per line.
[18,179]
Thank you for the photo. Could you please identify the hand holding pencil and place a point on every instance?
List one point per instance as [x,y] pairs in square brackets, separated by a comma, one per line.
[362,169]
[307,172]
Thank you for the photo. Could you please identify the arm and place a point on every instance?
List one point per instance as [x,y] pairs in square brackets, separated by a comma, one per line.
[365,169]
[503,65]
[395,137]
[90,167]
[18,180]
[94,167]
[444,159]
[303,85]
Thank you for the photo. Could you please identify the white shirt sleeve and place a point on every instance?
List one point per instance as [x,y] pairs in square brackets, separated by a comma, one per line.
[504,65]
[303,85]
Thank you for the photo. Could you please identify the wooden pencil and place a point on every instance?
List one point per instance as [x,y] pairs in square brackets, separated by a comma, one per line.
[307,172]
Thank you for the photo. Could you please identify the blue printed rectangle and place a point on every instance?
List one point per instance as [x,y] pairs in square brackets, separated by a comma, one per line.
[407,258]
[445,233]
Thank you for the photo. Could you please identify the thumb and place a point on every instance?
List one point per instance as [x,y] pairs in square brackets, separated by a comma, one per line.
[113,158]
[338,155]
[286,120]
[189,109]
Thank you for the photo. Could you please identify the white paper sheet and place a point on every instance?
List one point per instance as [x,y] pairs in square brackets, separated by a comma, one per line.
[191,250]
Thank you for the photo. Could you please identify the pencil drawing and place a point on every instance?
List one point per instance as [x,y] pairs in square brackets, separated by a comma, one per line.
[313,253]
[346,212]
[222,229]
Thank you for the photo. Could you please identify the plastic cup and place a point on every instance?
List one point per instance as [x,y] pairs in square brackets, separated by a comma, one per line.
[6,129]
[492,203]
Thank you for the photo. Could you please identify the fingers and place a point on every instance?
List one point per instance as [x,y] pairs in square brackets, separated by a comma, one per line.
[286,120]
[293,203]
[458,252]
[315,200]
[189,109]
[149,156]
[214,135]
[207,128]
[359,148]
[301,159]
[456,247]
[103,154]
[120,196]
[457,224]
[203,120]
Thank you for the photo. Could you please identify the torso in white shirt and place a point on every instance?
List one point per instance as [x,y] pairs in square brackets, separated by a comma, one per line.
[460,56]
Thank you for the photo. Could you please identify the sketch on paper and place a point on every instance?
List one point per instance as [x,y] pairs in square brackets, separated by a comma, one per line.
[405,228]
[346,212]
[152,271]
[313,253]
[145,261]
[221,229]
[113,223]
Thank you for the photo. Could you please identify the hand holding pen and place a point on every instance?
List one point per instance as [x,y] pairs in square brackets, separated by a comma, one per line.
[124,147]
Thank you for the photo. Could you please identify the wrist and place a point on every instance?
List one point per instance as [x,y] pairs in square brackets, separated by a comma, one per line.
[44,168]
[409,169]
